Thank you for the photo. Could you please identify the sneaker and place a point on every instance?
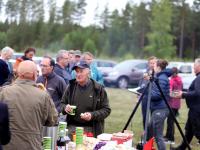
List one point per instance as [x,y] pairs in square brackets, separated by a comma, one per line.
[170,142]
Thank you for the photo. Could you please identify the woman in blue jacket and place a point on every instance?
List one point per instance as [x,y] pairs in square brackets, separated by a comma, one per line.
[158,108]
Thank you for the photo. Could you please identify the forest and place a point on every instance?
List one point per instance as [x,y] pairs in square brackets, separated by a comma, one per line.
[165,28]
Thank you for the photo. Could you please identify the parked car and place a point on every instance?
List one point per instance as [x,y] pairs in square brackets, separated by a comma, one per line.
[126,73]
[101,63]
[104,66]
[186,72]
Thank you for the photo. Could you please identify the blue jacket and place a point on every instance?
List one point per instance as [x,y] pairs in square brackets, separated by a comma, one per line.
[62,73]
[4,125]
[157,101]
[96,74]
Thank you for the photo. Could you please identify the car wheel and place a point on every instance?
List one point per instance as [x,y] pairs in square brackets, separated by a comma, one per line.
[122,83]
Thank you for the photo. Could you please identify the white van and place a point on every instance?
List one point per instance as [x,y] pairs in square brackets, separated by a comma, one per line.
[186,72]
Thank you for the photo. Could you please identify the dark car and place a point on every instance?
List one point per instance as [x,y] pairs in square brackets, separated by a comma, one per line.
[126,73]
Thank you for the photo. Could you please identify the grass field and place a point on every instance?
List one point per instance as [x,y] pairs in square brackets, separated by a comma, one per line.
[122,103]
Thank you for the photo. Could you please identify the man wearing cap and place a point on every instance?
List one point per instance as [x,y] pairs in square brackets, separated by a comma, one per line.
[90,99]
[77,54]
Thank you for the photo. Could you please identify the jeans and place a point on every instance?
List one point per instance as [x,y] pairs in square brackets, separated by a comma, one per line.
[170,125]
[156,127]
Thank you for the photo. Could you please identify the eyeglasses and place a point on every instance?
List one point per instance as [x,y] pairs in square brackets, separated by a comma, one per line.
[45,66]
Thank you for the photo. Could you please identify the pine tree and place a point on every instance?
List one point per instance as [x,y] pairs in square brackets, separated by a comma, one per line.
[160,38]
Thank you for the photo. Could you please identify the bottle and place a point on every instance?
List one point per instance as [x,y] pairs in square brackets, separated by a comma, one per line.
[61,141]
[67,138]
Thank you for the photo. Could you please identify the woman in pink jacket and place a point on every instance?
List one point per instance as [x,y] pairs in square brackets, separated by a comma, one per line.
[176,84]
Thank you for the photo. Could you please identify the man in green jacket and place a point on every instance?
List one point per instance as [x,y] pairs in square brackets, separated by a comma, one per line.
[90,99]
[29,108]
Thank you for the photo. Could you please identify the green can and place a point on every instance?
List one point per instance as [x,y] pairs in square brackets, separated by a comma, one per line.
[47,141]
[79,135]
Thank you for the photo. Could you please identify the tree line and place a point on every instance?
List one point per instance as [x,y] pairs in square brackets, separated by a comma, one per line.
[165,28]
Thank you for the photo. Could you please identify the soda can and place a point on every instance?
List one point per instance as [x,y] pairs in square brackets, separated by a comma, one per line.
[47,141]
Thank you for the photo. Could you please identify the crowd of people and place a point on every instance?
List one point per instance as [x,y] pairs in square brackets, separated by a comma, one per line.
[33,103]
[171,85]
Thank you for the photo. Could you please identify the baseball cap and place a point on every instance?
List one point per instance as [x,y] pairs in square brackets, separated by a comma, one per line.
[81,64]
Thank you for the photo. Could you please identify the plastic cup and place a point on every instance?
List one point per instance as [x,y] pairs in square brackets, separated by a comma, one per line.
[62,126]
[47,141]
[73,110]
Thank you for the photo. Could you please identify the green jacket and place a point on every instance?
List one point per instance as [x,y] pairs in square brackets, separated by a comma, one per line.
[29,108]
[101,108]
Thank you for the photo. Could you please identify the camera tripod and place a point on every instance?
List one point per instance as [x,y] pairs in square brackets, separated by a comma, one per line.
[149,88]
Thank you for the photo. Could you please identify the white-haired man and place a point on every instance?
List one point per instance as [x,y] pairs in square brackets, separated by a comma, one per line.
[6,69]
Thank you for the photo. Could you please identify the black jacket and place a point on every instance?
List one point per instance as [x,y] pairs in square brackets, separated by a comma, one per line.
[62,73]
[192,96]
[4,125]
[4,72]
[101,108]
[55,87]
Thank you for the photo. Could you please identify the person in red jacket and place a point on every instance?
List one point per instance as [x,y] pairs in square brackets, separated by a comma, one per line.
[176,84]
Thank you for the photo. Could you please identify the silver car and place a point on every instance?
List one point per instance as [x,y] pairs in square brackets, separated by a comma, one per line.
[126,73]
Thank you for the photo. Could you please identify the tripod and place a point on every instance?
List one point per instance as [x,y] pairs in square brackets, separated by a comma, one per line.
[149,88]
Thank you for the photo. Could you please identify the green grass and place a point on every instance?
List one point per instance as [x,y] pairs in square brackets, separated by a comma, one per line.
[122,103]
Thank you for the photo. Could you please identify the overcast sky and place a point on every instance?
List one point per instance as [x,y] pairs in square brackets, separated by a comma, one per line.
[112,4]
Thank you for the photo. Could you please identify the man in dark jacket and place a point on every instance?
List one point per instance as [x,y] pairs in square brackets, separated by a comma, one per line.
[4,72]
[62,60]
[90,99]
[54,84]
[4,125]
[6,55]
[192,97]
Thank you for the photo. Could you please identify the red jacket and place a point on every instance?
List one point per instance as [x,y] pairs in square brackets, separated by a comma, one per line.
[175,84]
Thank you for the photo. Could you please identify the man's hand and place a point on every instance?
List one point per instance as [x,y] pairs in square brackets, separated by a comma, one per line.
[146,76]
[68,109]
[178,94]
[86,116]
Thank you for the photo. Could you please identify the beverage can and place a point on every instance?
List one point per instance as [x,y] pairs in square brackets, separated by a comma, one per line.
[47,141]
